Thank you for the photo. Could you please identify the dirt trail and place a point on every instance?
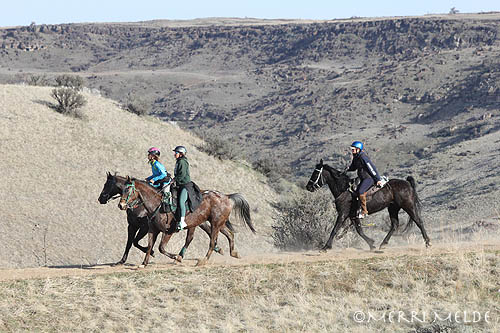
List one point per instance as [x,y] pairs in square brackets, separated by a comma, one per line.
[226,260]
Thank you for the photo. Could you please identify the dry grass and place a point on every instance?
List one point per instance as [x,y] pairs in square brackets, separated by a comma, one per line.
[54,168]
[310,297]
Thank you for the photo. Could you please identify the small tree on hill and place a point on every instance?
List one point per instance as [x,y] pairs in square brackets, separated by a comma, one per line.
[453,11]
[69,81]
[69,101]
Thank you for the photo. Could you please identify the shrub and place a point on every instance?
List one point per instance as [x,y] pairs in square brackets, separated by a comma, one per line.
[304,221]
[69,101]
[216,146]
[69,81]
[138,106]
[274,172]
[37,80]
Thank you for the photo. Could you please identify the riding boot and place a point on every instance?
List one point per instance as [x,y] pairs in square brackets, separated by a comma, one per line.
[182,224]
[364,210]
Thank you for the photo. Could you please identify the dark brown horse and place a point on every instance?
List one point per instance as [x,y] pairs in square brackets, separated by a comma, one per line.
[397,194]
[215,208]
[138,221]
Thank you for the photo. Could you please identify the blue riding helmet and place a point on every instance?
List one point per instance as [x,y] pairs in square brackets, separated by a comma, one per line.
[357,144]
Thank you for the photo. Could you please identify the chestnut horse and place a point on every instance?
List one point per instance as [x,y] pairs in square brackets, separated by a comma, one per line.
[397,194]
[215,208]
[138,221]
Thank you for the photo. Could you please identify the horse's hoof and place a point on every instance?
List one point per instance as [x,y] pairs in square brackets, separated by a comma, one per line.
[235,254]
[382,246]
[201,262]
[323,250]
[178,258]
[120,263]
[219,250]
[141,266]
[428,245]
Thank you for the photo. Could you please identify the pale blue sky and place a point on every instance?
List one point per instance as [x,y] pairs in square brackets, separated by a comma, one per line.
[23,12]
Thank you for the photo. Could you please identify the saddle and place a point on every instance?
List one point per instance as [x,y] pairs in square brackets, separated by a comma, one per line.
[354,183]
[194,198]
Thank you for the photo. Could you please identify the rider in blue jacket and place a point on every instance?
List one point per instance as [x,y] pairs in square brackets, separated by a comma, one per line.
[159,171]
[366,172]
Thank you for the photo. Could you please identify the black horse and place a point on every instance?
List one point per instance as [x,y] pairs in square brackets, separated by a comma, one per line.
[137,218]
[397,194]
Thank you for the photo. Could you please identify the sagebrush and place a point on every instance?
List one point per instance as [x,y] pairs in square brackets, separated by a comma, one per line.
[304,221]
[69,101]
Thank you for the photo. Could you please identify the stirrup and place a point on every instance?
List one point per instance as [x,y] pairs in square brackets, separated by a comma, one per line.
[181,225]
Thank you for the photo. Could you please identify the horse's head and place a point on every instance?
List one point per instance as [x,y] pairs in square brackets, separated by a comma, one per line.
[130,195]
[109,190]
[316,180]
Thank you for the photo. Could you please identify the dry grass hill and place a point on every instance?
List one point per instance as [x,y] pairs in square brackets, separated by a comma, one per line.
[55,167]
[422,92]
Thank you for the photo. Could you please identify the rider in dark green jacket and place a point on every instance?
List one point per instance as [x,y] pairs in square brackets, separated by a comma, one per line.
[182,177]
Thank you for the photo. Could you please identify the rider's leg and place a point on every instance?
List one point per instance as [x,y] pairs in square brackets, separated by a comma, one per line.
[363,187]
[183,196]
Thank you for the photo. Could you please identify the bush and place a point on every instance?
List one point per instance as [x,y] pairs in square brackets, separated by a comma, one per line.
[69,81]
[220,148]
[37,80]
[272,170]
[305,220]
[138,106]
[69,101]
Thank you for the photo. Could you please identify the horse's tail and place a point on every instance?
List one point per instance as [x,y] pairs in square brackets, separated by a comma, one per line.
[242,209]
[418,204]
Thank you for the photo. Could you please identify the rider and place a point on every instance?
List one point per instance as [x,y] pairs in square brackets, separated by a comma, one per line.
[182,179]
[159,171]
[366,172]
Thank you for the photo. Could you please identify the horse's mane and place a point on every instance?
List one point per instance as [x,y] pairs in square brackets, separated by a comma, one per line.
[330,169]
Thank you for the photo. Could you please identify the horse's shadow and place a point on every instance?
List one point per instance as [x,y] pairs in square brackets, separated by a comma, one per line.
[96,266]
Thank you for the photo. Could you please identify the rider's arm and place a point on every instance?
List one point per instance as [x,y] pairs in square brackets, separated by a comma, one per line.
[159,172]
[371,168]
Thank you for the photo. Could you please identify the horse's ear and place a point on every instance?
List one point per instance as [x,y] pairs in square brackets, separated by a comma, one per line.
[321,161]
[128,179]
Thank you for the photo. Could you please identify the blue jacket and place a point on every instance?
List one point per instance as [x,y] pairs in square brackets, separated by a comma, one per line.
[159,171]
[366,169]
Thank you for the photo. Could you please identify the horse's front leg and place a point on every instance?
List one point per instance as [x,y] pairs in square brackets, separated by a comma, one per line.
[152,234]
[131,230]
[367,239]
[143,230]
[163,245]
[338,224]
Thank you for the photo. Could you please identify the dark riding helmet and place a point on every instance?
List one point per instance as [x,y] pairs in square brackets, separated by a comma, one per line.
[180,149]
[357,144]
[154,151]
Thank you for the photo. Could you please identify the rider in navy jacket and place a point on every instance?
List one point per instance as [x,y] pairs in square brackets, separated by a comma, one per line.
[367,172]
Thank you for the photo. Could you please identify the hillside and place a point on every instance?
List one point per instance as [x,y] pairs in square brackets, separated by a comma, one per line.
[54,168]
[422,92]
[292,90]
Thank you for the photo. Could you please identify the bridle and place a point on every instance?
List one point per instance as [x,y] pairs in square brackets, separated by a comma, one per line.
[116,196]
[319,180]
[135,203]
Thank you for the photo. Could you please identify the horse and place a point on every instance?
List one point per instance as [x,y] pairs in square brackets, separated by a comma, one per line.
[397,194]
[215,208]
[138,221]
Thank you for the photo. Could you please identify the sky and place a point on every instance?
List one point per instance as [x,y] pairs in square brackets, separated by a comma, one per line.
[24,12]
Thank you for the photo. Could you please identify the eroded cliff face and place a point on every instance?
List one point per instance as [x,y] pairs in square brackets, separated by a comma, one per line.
[293,90]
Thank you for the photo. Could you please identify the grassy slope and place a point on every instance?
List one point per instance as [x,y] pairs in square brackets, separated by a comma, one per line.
[309,297]
[54,168]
